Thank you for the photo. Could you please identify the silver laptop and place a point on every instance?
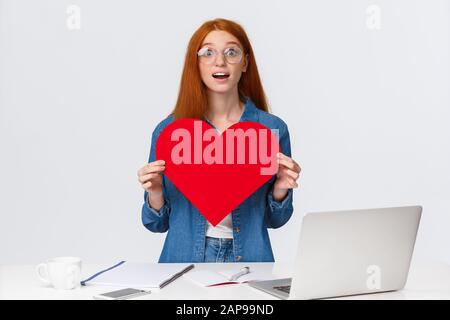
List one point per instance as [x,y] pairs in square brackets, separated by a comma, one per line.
[351,252]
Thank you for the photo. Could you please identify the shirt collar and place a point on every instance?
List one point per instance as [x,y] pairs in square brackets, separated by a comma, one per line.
[250,112]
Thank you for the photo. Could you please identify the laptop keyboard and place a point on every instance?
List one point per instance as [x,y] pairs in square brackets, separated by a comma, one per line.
[283,288]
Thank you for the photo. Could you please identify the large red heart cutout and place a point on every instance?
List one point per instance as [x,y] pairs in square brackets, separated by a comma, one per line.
[217,172]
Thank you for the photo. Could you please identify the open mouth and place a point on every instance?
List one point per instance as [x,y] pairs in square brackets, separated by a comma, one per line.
[221,75]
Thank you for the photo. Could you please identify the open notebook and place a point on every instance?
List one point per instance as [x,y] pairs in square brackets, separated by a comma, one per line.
[209,278]
[137,275]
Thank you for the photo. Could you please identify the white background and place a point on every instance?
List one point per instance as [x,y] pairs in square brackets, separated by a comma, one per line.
[368,112]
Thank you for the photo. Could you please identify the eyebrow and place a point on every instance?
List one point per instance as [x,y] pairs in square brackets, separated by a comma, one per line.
[229,42]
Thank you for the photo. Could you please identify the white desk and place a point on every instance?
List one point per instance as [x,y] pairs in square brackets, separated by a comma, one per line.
[425,281]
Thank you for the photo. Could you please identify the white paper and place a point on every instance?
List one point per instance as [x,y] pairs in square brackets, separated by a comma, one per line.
[138,275]
[207,278]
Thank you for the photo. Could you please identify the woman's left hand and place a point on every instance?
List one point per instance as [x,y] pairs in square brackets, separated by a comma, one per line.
[287,176]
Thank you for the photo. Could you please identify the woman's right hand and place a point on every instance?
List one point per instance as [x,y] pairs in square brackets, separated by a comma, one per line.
[150,176]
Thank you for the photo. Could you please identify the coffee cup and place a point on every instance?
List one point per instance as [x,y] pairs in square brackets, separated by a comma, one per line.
[61,272]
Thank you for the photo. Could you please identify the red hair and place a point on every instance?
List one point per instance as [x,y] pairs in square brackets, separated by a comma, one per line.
[192,97]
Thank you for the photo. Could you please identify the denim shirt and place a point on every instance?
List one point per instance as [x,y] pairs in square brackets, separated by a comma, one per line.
[186,226]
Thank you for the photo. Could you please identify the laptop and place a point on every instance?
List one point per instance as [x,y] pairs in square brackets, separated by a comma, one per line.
[342,253]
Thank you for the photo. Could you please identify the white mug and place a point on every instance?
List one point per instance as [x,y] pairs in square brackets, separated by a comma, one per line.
[61,272]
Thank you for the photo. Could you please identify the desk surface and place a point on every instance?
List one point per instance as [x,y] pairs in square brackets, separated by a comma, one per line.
[425,281]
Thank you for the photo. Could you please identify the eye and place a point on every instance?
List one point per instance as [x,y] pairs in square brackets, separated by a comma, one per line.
[232,52]
[209,53]
[206,52]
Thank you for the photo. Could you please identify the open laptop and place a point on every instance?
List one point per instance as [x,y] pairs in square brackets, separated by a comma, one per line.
[351,252]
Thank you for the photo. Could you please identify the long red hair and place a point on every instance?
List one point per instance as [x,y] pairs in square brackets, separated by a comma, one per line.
[192,96]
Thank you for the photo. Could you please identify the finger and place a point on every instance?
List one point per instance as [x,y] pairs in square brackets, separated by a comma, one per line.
[281,156]
[286,163]
[151,169]
[151,164]
[285,157]
[146,177]
[147,170]
[292,183]
[291,173]
[283,171]
[147,185]
[297,166]
[157,163]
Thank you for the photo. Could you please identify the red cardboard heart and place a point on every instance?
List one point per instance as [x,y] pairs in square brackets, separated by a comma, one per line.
[217,172]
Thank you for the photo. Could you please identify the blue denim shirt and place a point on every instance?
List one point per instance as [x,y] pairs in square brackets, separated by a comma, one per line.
[186,226]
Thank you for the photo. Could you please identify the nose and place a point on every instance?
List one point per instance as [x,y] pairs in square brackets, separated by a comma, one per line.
[220,60]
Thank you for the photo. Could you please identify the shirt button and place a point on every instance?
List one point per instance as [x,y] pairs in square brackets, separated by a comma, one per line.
[238,230]
[238,258]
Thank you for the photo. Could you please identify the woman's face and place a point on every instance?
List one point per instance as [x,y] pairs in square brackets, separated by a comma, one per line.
[221,62]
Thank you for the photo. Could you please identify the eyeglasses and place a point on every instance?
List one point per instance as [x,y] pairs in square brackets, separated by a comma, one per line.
[232,55]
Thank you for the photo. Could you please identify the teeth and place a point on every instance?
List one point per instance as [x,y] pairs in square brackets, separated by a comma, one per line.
[220,74]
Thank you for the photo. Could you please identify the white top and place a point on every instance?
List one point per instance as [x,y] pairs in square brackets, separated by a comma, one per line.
[224,229]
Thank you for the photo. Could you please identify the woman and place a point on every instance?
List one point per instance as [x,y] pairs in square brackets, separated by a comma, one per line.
[220,84]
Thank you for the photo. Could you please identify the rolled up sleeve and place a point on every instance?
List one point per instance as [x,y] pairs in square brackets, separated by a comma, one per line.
[156,220]
[279,212]
[153,220]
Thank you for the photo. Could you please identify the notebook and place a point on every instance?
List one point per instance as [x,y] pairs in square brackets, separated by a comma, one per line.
[137,275]
[209,278]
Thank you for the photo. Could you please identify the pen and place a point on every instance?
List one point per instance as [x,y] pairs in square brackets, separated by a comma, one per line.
[244,270]
[176,276]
